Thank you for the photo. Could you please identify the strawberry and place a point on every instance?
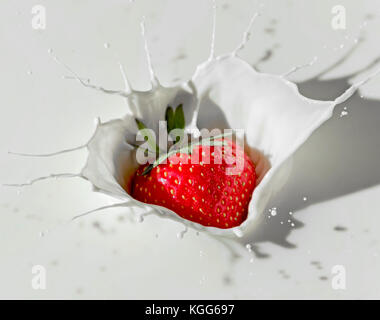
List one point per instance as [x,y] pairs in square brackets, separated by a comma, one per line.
[200,192]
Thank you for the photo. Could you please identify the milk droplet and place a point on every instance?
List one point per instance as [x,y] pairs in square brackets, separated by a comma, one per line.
[341,46]
[41,234]
[290,213]
[343,113]
[251,260]
[50,51]
[304,198]
[273,211]
[140,218]
[106,45]
[29,72]
[292,224]
[249,247]
[238,232]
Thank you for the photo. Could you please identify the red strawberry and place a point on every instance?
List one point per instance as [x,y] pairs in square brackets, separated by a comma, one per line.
[202,192]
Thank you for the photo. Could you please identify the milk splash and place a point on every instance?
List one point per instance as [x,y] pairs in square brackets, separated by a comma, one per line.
[262,104]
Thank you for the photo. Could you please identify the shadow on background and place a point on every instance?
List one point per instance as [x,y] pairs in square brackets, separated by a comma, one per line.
[340,158]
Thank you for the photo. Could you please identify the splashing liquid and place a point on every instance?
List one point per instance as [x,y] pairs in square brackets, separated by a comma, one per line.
[196,88]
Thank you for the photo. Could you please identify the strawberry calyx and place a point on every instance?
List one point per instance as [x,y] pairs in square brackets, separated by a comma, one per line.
[175,119]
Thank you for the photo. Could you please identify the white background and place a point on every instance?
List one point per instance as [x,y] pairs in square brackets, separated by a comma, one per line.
[108,255]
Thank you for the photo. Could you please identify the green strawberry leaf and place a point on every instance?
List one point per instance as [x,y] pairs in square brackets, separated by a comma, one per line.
[169,117]
[175,119]
[147,169]
[179,117]
[140,124]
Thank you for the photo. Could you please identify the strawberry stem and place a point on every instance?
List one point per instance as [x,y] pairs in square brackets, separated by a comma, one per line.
[175,119]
